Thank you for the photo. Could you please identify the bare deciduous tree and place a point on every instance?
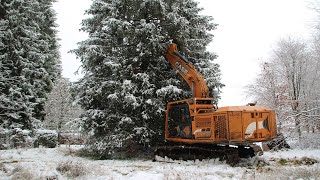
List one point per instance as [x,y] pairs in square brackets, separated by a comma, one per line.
[289,83]
[269,90]
[292,59]
[60,112]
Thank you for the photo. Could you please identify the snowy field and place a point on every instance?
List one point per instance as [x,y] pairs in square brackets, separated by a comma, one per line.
[61,163]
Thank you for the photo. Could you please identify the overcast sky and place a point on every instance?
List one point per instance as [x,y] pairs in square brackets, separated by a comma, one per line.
[246,33]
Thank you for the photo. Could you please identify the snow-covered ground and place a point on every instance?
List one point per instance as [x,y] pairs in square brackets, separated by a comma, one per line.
[61,163]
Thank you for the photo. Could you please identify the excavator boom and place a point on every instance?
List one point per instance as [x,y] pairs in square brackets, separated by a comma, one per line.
[187,71]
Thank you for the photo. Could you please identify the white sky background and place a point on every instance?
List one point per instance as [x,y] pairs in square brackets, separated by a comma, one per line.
[246,33]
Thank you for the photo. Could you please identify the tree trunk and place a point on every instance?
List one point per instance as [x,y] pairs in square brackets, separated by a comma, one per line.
[297,126]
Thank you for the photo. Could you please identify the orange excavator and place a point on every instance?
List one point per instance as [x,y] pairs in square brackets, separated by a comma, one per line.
[196,129]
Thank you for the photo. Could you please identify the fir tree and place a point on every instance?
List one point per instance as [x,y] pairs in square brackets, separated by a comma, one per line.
[29,62]
[127,81]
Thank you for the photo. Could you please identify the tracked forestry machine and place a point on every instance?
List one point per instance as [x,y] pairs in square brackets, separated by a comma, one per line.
[196,129]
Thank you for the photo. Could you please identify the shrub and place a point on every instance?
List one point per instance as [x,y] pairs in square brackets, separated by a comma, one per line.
[46,138]
[20,138]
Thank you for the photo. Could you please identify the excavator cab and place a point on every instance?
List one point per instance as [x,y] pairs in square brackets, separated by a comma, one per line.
[179,121]
[189,119]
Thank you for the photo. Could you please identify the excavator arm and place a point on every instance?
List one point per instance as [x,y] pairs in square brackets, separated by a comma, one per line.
[187,71]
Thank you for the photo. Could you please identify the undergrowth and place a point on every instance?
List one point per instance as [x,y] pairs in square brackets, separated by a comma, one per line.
[3,168]
[21,173]
[72,169]
[302,161]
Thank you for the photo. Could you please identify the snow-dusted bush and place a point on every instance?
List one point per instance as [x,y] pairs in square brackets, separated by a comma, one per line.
[20,138]
[4,138]
[46,138]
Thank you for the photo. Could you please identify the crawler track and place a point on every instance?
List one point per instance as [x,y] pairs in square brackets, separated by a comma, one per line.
[193,152]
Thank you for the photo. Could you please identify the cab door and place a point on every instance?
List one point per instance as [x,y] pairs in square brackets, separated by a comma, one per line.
[179,121]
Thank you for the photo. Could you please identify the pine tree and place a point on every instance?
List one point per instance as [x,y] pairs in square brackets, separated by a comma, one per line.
[127,81]
[29,62]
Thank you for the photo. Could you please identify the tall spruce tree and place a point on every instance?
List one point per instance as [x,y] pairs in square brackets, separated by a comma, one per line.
[29,60]
[50,50]
[127,82]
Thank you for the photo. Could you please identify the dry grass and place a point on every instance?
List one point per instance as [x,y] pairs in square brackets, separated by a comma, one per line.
[72,169]
[69,151]
[3,168]
[21,173]
[288,173]
[302,161]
